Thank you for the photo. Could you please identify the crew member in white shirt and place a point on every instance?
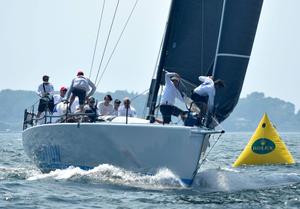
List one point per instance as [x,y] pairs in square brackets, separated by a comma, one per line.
[126,109]
[62,107]
[204,96]
[170,92]
[104,107]
[80,88]
[45,91]
[206,91]
[117,103]
[59,97]
[91,109]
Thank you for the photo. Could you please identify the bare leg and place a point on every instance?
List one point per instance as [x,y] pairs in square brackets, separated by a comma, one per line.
[81,108]
[38,115]
[205,114]
[203,111]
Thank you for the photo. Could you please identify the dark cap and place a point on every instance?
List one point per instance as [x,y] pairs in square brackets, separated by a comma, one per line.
[92,99]
[45,78]
[80,72]
[117,101]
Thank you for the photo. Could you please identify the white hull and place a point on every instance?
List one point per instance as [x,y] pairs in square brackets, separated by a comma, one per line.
[141,148]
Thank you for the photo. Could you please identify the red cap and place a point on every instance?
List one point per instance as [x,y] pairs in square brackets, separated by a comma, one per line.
[80,72]
[63,88]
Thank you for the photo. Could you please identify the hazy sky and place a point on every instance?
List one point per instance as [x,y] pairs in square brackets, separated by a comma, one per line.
[57,37]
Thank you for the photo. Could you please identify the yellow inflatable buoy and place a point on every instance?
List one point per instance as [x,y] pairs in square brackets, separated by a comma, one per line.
[265,147]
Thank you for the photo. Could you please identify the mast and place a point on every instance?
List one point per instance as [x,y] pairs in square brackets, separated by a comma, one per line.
[155,84]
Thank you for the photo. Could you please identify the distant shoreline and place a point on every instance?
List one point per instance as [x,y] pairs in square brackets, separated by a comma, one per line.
[244,118]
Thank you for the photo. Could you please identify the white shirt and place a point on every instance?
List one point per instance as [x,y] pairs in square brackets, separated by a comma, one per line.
[48,89]
[131,111]
[61,109]
[207,88]
[170,92]
[115,112]
[81,82]
[57,98]
[105,110]
[88,107]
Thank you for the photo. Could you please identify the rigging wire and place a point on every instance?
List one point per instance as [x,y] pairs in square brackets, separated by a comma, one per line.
[184,95]
[204,158]
[159,51]
[216,141]
[135,97]
[120,36]
[32,106]
[97,38]
[188,82]
[156,68]
[107,40]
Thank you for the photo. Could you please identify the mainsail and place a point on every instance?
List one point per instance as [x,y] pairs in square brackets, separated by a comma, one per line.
[209,37]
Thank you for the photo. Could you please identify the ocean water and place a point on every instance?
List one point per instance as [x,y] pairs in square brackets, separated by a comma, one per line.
[217,185]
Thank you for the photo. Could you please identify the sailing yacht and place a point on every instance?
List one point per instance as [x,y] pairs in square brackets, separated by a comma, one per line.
[203,37]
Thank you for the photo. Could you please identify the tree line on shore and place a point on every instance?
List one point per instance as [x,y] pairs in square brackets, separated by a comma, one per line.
[245,116]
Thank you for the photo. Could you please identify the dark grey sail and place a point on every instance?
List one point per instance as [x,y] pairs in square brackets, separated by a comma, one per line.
[209,37]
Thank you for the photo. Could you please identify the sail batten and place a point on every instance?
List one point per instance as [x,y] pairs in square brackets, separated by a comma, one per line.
[233,55]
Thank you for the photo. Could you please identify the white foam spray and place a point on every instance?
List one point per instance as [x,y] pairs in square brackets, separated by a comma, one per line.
[164,178]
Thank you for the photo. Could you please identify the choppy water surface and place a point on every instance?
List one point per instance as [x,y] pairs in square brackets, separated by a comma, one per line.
[217,184]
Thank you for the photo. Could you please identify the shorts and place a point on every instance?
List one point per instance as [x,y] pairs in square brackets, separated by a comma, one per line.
[81,94]
[46,104]
[197,98]
[168,110]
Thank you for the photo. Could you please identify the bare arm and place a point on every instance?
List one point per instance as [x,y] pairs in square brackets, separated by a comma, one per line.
[93,88]
[202,78]
[40,90]
[70,90]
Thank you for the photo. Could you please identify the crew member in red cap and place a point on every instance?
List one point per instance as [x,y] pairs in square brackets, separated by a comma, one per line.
[80,87]
[59,97]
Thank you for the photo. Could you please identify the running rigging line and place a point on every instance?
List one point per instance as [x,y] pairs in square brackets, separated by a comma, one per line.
[135,97]
[107,39]
[188,82]
[97,38]
[120,36]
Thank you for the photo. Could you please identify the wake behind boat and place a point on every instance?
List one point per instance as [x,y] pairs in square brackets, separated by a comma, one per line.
[208,37]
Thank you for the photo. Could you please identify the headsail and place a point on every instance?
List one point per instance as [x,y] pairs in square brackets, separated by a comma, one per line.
[206,37]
